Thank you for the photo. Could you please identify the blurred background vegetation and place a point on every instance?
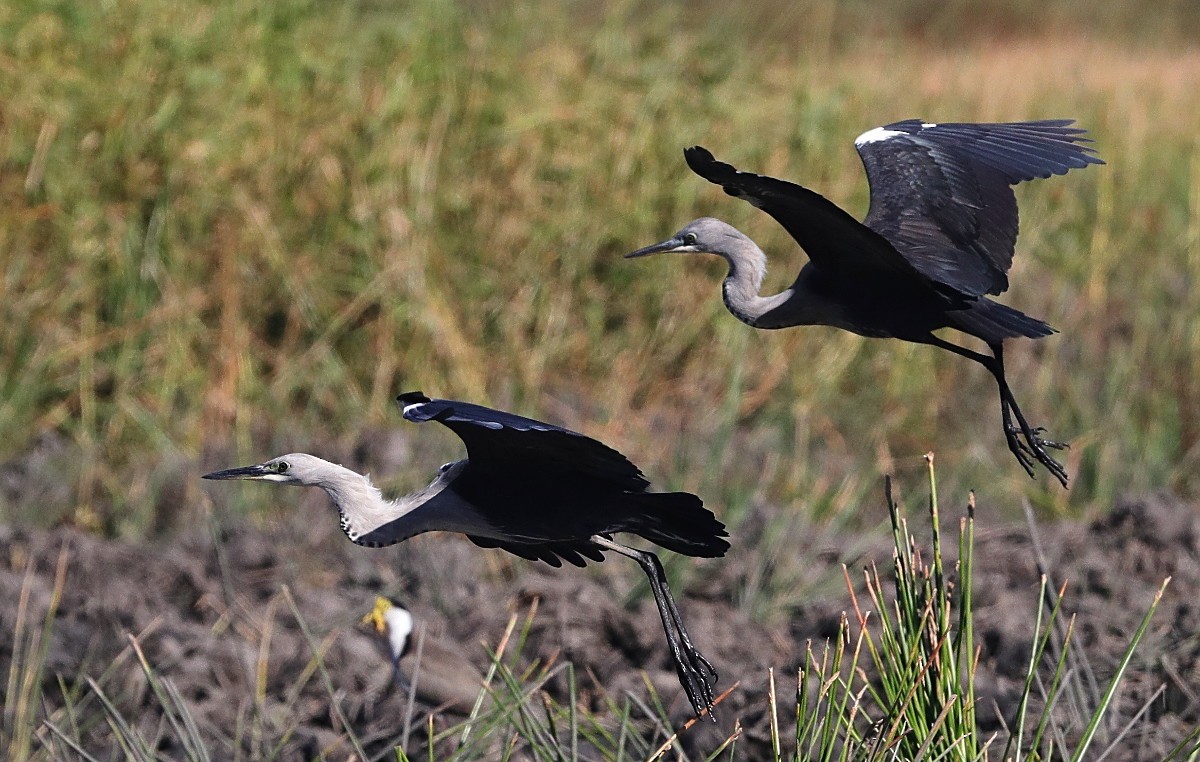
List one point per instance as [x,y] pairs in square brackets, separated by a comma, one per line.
[231,229]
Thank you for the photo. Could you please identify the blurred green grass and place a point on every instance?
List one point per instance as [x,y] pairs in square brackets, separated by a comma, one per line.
[222,219]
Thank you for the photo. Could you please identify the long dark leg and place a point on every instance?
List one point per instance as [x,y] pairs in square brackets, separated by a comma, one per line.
[1033,448]
[696,674]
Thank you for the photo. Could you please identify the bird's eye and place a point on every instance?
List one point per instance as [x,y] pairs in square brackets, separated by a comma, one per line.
[281,467]
[690,239]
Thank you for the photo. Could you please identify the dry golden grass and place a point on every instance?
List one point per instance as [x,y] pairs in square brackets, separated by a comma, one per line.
[252,225]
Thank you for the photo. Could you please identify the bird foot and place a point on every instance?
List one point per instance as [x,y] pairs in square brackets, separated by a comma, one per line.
[1037,436]
[697,677]
[1028,446]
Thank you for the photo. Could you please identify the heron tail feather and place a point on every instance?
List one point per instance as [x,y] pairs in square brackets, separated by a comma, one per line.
[994,322]
[679,522]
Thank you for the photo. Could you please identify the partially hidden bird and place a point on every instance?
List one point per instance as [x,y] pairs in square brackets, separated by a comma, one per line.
[536,490]
[437,671]
[938,237]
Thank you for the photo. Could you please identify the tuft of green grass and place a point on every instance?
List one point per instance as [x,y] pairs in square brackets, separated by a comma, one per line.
[913,695]
[925,653]
[23,687]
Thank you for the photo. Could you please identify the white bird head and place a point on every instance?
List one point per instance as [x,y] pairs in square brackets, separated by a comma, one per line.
[360,506]
[297,468]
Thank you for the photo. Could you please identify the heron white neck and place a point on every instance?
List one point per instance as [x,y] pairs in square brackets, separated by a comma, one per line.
[362,509]
[360,505]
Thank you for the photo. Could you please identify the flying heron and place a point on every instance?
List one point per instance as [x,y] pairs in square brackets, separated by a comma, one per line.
[536,490]
[939,236]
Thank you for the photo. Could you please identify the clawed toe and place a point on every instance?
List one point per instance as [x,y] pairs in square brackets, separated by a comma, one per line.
[705,667]
[1024,455]
[1029,446]
[697,676]
[1037,432]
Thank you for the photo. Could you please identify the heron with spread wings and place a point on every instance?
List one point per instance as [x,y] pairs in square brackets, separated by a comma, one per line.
[536,490]
[937,240]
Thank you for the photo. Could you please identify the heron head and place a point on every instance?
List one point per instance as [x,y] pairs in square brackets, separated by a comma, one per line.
[705,235]
[297,468]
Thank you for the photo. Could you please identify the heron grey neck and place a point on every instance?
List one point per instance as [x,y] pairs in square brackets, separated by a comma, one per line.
[747,268]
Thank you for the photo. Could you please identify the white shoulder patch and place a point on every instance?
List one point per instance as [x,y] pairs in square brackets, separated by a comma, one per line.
[928,125]
[876,135]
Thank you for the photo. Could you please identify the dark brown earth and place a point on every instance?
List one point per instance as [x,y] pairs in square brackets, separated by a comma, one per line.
[209,615]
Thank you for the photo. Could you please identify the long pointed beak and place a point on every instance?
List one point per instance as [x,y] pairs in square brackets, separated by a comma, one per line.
[245,472]
[668,245]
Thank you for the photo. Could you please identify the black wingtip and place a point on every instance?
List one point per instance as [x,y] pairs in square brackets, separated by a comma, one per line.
[411,398]
[416,408]
[701,161]
[698,157]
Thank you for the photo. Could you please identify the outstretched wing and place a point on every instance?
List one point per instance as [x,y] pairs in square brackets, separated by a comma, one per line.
[833,240]
[942,193]
[510,443]
[553,553]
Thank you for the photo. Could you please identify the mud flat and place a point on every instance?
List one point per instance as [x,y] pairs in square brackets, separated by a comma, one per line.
[222,616]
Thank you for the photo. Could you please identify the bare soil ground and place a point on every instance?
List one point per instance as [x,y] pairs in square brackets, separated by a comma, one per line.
[208,613]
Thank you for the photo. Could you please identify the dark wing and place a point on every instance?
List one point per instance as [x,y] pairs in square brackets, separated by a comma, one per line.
[833,240]
[553,553]
[511,444]
[942,195]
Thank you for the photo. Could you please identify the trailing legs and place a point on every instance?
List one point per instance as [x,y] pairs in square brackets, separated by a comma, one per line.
[696,674]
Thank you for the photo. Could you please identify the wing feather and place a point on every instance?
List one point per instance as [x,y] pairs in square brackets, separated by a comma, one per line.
[502,441]
[942,195]
[831,237]
[554,553]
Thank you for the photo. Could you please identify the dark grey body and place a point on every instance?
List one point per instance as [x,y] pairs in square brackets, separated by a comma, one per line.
[552,517]
[878,309]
